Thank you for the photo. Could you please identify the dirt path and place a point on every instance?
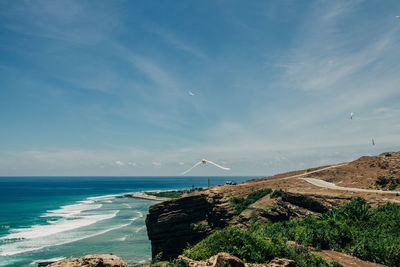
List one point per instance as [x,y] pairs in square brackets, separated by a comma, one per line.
[345,260]
[325,184]
[319,170]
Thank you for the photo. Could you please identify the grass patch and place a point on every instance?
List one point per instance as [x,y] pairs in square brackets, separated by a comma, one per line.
[277,193]
[240,203]
[355,229]
[251,248]
[174,193]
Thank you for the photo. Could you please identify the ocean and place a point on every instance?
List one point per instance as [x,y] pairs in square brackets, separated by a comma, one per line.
[59,217]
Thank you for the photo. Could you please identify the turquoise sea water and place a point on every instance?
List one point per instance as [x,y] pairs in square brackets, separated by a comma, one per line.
[54,217]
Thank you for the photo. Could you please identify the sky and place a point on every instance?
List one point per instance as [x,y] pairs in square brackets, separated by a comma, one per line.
[102,87]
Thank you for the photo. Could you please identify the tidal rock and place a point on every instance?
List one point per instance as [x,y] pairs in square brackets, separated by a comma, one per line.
[224,259]
[96,260]
[281,263]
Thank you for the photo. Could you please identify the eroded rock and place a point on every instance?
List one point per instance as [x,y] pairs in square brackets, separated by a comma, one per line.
[96,260]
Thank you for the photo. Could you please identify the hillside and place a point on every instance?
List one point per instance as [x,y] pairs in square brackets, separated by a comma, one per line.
[174,224]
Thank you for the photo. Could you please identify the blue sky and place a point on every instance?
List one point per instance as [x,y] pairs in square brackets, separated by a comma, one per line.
[102,87]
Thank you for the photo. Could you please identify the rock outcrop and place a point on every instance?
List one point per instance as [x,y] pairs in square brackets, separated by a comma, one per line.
[224,260]
[281,263]
[96,260]
[173,224]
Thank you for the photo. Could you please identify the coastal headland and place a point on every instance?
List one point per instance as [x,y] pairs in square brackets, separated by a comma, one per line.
[175,224]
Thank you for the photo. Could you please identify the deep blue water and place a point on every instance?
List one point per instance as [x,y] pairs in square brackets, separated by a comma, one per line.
[52,217]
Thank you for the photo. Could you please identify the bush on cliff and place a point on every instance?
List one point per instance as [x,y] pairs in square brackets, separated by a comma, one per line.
[174,193]
[240,203]
[370,234]
[250,248]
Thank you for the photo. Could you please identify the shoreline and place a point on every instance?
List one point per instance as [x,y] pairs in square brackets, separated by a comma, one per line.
[143,195]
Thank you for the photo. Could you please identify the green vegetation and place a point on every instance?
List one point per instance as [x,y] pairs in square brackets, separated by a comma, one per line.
[277,193]
[393,186]
[251,248]
[174,193]
[370,234]
[240,203]
[384,181]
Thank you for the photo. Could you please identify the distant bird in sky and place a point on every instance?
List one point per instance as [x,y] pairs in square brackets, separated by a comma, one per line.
[398,17]
[204,161]
[191,93]
[373,142]
[351,115]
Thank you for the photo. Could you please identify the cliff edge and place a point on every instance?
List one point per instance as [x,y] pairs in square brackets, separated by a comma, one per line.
[174,224]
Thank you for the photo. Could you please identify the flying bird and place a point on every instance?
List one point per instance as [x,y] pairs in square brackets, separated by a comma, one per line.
[373,142]
[398,17]
[204,161]
[191,93]
[351,115]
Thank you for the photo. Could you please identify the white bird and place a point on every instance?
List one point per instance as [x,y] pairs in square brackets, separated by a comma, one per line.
[351,115]
[398,17]
[191,93]
[204,161]
[373,142]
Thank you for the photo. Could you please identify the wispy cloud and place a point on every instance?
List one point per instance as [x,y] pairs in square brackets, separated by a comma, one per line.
[68,21]
[173,40]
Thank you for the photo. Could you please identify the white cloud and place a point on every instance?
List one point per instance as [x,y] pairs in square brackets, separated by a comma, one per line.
[119,163]
[157,164]
[68,21]
[172,39]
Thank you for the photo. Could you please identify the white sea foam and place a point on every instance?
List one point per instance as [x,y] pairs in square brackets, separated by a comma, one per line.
[27,246]
[47,260]
[140,215]
[71,227]
[58,226]
[71,210]
[122,238]
[140,229]
[106,197]
[127,205]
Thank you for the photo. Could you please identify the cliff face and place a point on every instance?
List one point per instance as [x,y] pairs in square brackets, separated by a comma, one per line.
[173,224]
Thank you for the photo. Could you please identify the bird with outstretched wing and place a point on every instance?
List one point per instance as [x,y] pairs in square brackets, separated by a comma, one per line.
[205,161]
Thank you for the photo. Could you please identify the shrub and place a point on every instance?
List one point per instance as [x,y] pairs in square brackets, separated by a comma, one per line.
[174,193]
[233,241]
[251,248]
[240,203]
[393,186]
[370,234]
[277,193]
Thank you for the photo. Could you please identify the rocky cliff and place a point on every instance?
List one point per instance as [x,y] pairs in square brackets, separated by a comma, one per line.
[174,224]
